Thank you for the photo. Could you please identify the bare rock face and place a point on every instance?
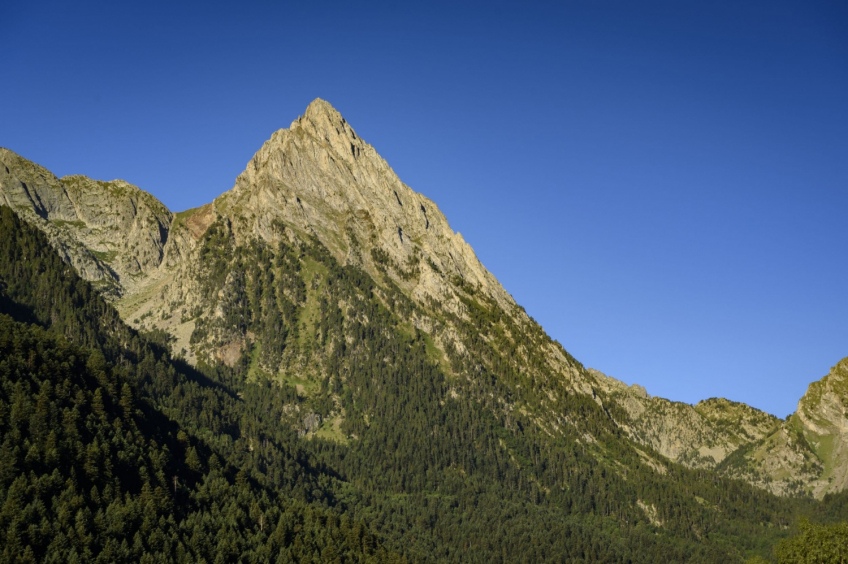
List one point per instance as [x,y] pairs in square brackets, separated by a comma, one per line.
[129,233]
[809,452]
[321,178]
[698,436]
[823,416]
[25,186]
[113,233]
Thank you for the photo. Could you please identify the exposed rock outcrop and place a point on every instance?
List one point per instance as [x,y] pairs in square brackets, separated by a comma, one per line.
[809,451]
[113,233]
[320,177]
[699,436]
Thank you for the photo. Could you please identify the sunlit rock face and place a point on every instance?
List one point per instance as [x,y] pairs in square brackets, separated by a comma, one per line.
[699,436]
[823,418]
[320,177]
[113,233]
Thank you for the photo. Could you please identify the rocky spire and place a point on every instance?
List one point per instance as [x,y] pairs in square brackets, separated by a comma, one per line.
[322,178]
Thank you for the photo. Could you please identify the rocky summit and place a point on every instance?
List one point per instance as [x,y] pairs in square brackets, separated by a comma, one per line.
[320,178]
[356,337]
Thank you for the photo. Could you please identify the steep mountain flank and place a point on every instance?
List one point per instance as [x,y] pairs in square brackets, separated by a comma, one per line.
[318,181]
[112,452]
[324,277]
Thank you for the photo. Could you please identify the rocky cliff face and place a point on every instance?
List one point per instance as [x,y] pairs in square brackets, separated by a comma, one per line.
[809,451]
[822,417]
[806,454]
[195,275]
[320,178]
[113,233]
[698,436]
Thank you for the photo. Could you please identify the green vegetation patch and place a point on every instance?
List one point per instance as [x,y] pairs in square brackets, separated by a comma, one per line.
[79,224]
[331,430]
[105,256]
[313,273]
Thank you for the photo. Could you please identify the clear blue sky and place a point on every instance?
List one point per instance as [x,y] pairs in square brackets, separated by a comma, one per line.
[663,185]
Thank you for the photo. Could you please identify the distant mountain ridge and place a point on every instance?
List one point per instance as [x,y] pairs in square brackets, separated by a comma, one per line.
[319,183]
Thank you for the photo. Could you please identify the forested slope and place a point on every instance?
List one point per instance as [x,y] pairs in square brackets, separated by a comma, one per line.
[113,451]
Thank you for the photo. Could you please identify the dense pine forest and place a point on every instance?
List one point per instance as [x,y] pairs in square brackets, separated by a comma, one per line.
[339,435]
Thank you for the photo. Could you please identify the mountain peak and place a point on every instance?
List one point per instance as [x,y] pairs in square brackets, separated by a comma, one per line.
[320,177]
[319,106]
[323,121]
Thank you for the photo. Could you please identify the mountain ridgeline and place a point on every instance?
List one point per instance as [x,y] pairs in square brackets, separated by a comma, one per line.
[317,365]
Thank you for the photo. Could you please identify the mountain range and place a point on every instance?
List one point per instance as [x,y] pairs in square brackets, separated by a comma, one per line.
[416,384]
